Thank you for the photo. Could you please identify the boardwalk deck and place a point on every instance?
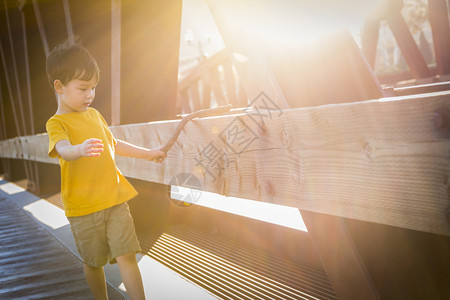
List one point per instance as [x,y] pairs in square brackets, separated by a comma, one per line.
[33,264]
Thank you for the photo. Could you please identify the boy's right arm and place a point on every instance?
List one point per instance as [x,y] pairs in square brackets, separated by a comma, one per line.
[89,148]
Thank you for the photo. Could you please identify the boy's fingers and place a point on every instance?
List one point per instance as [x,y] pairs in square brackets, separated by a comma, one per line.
[95,146]
[92,152]
[95,150]
[94,140]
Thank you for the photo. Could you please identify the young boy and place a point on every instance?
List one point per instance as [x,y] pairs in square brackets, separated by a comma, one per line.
[93,190]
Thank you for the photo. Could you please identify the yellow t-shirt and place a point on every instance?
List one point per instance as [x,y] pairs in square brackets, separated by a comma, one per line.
[88,184]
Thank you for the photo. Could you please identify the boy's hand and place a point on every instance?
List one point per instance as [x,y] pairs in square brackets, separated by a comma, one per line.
[156,155]
[91,148]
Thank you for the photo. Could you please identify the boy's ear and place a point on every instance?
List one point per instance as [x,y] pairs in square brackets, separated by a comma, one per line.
[59,87]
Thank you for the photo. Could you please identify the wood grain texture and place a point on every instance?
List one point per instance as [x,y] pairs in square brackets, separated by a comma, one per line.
[380,161]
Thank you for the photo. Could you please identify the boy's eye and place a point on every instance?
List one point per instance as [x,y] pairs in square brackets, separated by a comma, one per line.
[85,89]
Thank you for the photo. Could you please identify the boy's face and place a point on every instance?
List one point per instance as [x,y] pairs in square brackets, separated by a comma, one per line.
[76,95]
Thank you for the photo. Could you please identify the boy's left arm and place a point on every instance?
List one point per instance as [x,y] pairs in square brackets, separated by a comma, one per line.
[123,148]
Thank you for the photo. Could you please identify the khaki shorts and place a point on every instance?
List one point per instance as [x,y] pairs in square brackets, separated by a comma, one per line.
[104,235]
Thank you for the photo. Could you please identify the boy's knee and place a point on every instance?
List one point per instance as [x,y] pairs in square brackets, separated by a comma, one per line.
[91,268]
[127,258]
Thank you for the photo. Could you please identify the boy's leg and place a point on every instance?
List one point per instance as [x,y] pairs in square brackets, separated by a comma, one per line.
[95,278]
[131,276]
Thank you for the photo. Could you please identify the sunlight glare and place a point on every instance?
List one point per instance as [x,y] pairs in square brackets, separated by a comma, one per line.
[47,214]
[267,212]
[293,21]
[11,188]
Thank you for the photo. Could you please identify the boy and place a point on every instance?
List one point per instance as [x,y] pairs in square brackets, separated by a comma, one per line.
[93,190]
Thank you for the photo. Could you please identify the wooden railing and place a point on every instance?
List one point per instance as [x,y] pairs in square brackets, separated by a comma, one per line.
[213,82]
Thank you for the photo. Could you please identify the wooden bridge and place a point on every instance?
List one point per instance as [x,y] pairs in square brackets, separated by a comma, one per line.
[364,158]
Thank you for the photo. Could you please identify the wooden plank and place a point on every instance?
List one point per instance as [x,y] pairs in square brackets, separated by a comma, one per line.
[115,61]
[369,40]
[206,92]
[216,86]
[230,82]
[11,148]
[422,88]
[439,22]
[350,270]
[195,96]
[41,27]
[407,45]
[36,148]
[68,19]
[184,99]
[379,161]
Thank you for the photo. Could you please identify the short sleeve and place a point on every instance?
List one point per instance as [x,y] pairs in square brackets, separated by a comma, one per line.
[106,127]
[56,133]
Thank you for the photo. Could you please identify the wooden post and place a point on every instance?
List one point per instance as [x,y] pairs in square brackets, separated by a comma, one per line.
[15,71]
[11,99]
[29,173]
[40,24]
[230,82]
[197,103]
[216,86]
[439,22]
[5,162]
[34,184]
[369,40]
[407,45]
[68,21]
[115,60]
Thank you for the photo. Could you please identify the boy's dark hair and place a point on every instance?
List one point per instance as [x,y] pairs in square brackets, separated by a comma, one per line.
[69,61]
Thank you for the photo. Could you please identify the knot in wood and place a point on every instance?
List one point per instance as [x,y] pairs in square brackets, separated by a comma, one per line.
[369,150]
[269,188]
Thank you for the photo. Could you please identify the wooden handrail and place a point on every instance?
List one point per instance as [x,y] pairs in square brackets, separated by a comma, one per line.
[379,161]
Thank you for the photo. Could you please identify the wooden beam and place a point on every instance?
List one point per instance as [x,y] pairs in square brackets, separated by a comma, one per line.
[115,60]
[41,27]
[350,268]
[369,40]
[439,22]
[3,136]
[246,57]
[379,161]
[422,88]
[68,21]
[407,45]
